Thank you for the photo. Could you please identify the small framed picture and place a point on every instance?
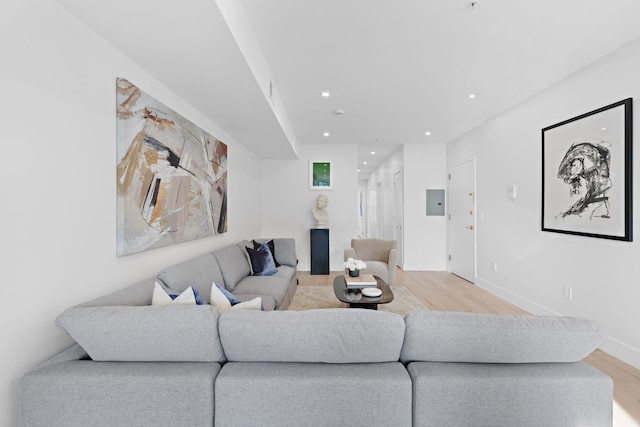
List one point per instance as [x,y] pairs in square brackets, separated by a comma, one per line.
[320,175]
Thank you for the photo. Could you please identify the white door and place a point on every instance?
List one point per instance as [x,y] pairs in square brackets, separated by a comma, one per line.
[462,214]
[398,217]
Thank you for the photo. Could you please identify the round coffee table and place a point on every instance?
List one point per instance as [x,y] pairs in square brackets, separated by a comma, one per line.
[354,297]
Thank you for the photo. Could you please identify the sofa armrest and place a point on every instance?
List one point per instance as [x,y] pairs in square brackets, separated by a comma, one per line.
[393,260]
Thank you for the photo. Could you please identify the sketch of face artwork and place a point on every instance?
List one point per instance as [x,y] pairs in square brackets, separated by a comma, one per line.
[585,167]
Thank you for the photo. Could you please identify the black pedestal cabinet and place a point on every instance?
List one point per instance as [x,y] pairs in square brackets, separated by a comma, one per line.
[319,251]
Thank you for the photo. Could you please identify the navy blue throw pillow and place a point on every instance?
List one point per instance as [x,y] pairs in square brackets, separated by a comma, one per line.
[270,244]
[232,299]
[262,262]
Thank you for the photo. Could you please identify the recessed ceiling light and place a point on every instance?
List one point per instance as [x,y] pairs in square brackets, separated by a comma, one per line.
[326,94]
[364,163]
[373,152]
[427,133]
[603,129]
[358,170]
[326,134]
[471,96]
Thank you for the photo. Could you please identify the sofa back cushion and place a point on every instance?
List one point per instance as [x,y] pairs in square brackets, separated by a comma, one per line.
[233,263]
[284,250]
[173,333]
[433,336]
[199,272]
[139,293]
[373,249]
[323,335]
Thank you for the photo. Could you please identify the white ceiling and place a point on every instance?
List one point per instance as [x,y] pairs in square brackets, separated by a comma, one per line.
[396,68]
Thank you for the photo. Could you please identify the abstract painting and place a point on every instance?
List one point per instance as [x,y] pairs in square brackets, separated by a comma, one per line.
[171,175]
[587,174]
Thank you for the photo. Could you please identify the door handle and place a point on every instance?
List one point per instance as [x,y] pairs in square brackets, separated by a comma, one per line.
[470,227]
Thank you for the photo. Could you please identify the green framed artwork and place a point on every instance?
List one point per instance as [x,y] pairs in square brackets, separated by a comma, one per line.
[320,175]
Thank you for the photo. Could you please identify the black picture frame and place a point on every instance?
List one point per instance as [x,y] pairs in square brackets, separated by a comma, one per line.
[587,174]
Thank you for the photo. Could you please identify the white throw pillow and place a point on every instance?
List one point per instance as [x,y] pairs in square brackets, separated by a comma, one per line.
[222,304]
[218,300]
[254,304]
[161,297]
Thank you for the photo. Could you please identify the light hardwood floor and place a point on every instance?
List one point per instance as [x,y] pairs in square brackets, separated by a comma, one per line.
[445,292]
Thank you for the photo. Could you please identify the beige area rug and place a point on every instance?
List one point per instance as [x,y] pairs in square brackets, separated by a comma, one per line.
[308,297]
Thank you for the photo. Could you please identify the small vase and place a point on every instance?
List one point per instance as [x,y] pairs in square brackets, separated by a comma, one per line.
[354,273]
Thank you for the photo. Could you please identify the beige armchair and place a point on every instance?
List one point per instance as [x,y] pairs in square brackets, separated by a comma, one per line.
[379,255]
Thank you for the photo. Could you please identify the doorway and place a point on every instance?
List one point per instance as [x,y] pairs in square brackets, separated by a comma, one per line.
[398,216]
[379,211]
[462,220]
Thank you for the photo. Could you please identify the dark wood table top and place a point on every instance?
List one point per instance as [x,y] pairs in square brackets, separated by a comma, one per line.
[354,297]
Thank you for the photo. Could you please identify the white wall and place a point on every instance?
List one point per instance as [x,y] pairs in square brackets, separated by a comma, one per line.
[423,167]
[58,181]
[287,200]
[534,265]
[425,237]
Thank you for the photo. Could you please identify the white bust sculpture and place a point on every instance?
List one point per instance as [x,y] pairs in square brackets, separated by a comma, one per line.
[320,211]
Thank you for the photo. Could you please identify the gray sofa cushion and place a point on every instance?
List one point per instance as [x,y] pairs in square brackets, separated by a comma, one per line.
[286,272]
[313,394]
[123,333]
[274,286]
[507,395]
[285,251]
[325,335]
[106,394]
[199,272]
[139,293]
[497,338]
[233,264]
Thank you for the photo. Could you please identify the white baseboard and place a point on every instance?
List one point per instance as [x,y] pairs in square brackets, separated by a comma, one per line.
[621,351]
[514,299]
[609,345]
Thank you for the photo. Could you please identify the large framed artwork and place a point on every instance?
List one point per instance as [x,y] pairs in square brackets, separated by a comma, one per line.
[587,174]
[320,175]
[171,175]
